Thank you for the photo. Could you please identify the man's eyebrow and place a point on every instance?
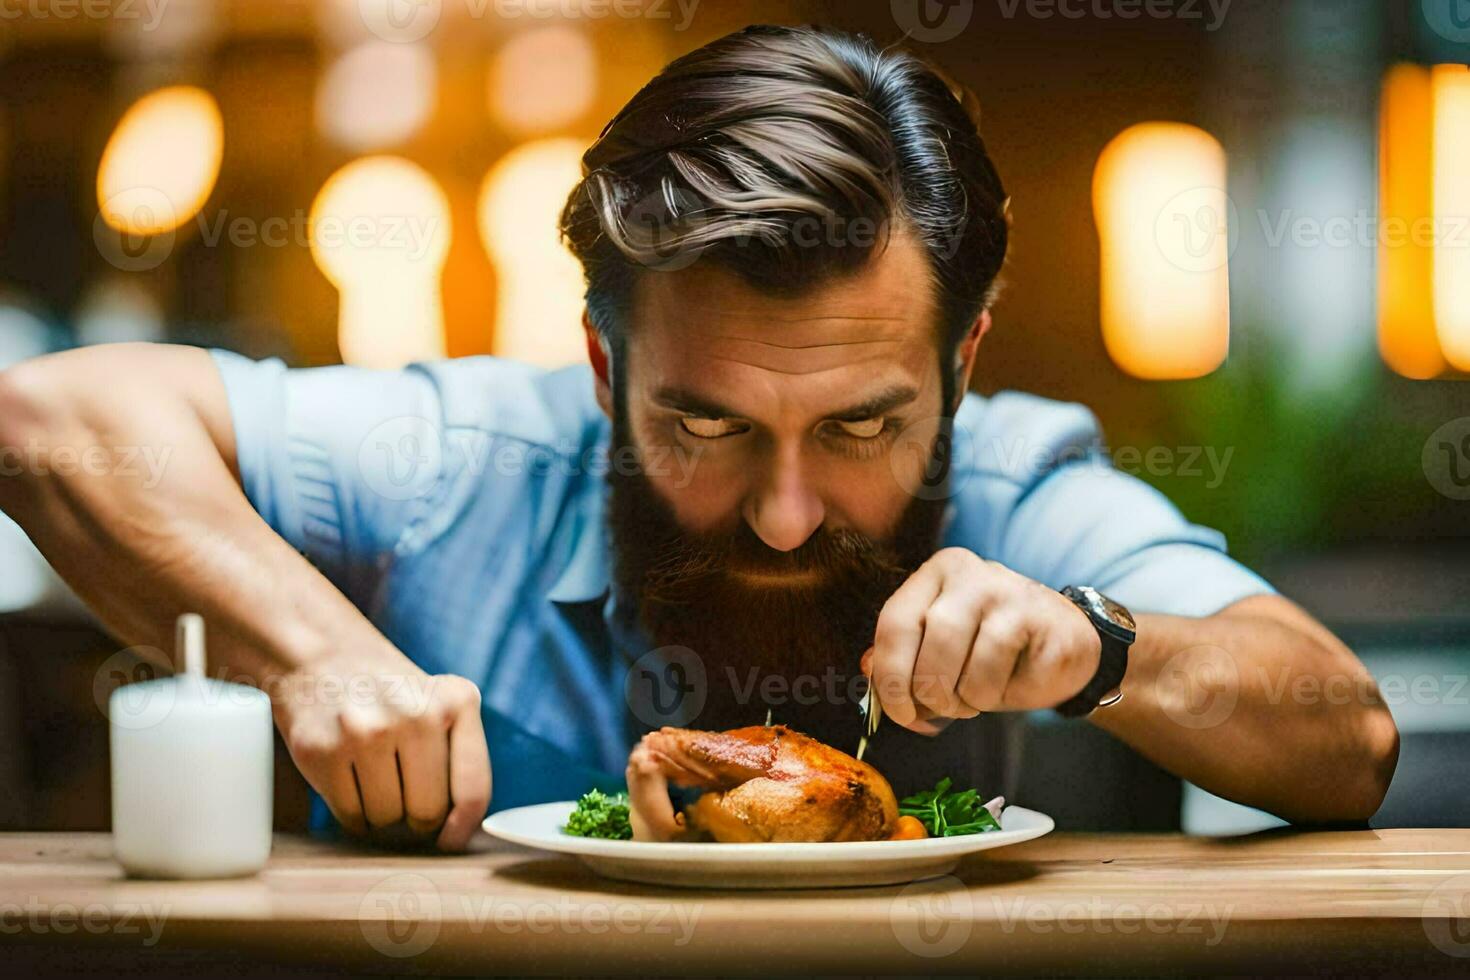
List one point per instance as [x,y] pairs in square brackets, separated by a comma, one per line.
[884,401]
[684,400]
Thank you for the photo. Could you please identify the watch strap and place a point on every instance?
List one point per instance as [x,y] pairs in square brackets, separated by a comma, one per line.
[1112,664]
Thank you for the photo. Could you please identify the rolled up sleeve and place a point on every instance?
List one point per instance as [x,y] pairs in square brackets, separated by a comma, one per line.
[1087,524]
[342,462]
[1038,493]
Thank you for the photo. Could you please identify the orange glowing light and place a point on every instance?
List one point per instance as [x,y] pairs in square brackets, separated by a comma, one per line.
[1451,87]
[161,162]
[1406,332]
[380,232]
[539,300]
[1164,224]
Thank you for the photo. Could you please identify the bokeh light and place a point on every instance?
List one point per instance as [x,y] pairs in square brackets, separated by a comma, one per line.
[539,301]
[1406,335]
[543,80]
[1164,226]
[376,95]
[380,231]
[161,162]
[1451,85]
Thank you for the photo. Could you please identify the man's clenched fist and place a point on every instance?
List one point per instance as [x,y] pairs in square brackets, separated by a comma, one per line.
[965,635]
[383,742]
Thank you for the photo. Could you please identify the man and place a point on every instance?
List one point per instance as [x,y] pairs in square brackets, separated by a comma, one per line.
[791,240]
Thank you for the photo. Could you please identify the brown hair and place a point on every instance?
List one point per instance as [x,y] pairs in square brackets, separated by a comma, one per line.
[787,155]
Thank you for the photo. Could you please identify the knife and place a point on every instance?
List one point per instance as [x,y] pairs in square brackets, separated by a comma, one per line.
[872,712]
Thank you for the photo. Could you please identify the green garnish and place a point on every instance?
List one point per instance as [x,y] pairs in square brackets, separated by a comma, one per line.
[949,814]
[599,814]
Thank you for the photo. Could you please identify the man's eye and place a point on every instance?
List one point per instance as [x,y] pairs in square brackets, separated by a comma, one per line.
[866,429]
[711,428]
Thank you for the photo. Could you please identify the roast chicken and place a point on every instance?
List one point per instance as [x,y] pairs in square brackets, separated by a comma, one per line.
[763,783]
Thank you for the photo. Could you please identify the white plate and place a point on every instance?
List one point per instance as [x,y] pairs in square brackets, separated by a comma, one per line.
[883,862]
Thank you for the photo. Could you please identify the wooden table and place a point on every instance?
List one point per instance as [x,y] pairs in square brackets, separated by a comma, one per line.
[1355,901]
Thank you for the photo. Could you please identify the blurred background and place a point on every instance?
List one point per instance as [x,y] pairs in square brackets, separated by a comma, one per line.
[1241,236]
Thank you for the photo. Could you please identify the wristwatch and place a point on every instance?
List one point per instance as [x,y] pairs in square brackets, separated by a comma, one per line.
[1117,630]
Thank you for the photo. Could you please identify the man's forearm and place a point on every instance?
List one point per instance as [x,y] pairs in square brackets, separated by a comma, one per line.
[1259,704]
[141,544]
[382,741]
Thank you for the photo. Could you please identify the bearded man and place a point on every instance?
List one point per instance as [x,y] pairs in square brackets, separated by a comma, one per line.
[769,486]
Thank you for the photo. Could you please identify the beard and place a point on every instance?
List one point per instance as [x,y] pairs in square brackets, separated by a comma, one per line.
[778,631]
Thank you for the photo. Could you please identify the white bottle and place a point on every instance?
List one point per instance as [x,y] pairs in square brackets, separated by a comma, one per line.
[192,765]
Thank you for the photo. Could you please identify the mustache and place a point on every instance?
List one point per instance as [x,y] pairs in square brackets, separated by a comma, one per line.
[687,564]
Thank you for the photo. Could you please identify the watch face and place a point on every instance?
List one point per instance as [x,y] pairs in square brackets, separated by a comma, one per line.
[1106,613]
[1116,614]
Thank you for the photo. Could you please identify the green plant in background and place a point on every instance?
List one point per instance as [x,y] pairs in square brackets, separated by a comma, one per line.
[1307,467]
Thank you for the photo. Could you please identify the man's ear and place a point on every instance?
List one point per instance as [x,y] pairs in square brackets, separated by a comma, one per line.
[964,358]
[597,354]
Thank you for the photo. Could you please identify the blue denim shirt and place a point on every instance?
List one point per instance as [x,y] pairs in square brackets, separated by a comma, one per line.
[460,505]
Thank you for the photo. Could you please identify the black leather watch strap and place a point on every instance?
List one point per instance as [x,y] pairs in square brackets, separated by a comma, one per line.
[1112,664]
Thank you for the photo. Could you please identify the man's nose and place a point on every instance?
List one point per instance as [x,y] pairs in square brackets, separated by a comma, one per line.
[785,510]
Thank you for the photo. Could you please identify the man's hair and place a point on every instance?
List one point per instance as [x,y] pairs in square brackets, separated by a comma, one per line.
[788,155]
